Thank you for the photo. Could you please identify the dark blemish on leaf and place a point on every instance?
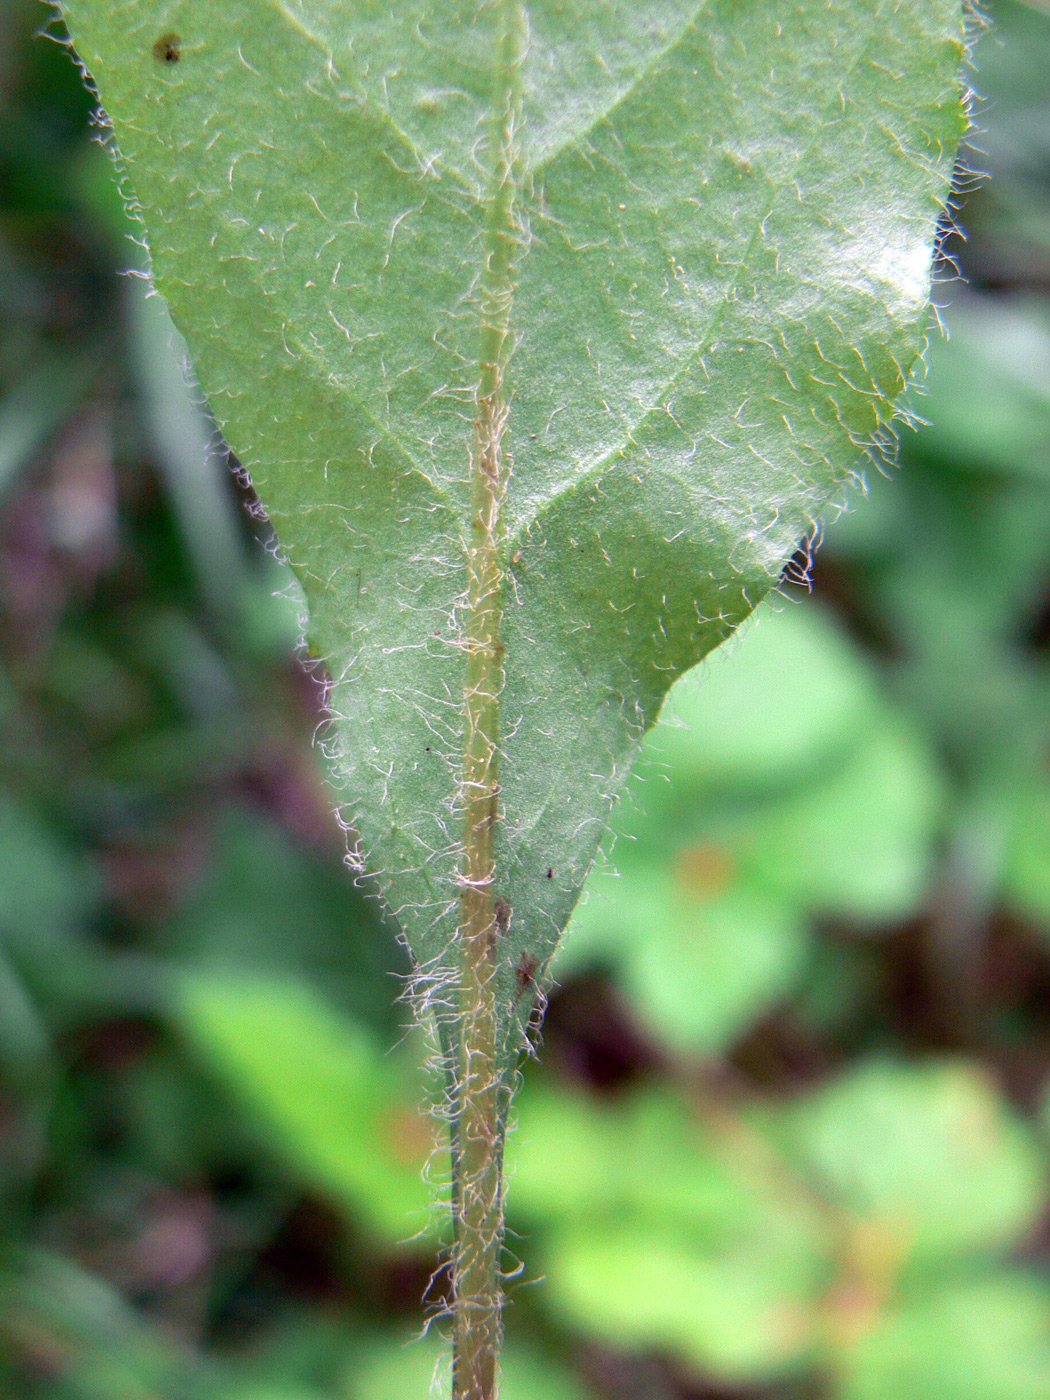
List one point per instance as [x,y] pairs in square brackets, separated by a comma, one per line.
[526,972]
[502,911]
[168,49]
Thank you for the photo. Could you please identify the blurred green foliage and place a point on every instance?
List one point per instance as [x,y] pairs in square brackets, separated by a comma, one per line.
[789,1134]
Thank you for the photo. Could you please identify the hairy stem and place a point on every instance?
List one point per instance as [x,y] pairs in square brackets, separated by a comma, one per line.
[480,1085]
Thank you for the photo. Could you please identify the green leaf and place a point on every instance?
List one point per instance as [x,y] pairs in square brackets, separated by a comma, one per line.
[927,1155]
[683,247]
[1027,874]
[643,1155]
[97,1346]
[45,887]
[698,968]
[986,1339]
[704,905]
[34,409]
[266,1392]
[786,698]
[730,1316]
[859,844]
[267,905]
[647,1156]
[342,1112]
[712,967]
[195,482]
[987,395]
[658,1232]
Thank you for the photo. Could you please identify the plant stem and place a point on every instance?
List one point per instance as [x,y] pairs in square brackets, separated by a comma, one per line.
[481,1087]
[477,1144]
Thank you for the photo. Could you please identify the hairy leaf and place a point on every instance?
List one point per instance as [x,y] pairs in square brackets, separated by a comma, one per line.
[655,270]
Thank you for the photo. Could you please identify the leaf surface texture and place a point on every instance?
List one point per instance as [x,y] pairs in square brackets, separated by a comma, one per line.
[721,214]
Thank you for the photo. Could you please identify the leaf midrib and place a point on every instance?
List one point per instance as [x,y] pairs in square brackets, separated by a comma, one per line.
[590,475]
[386,118]
[529,171]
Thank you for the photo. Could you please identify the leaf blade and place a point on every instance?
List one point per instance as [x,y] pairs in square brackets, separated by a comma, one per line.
[721,289]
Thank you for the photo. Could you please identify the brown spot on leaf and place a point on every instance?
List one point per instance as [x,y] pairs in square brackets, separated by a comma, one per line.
[168,49]
[525,972]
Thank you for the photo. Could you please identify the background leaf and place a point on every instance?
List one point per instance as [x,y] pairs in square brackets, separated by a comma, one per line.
[978,1340]
[927,1155]
[349,1116]
[661,1231]
[826,804]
